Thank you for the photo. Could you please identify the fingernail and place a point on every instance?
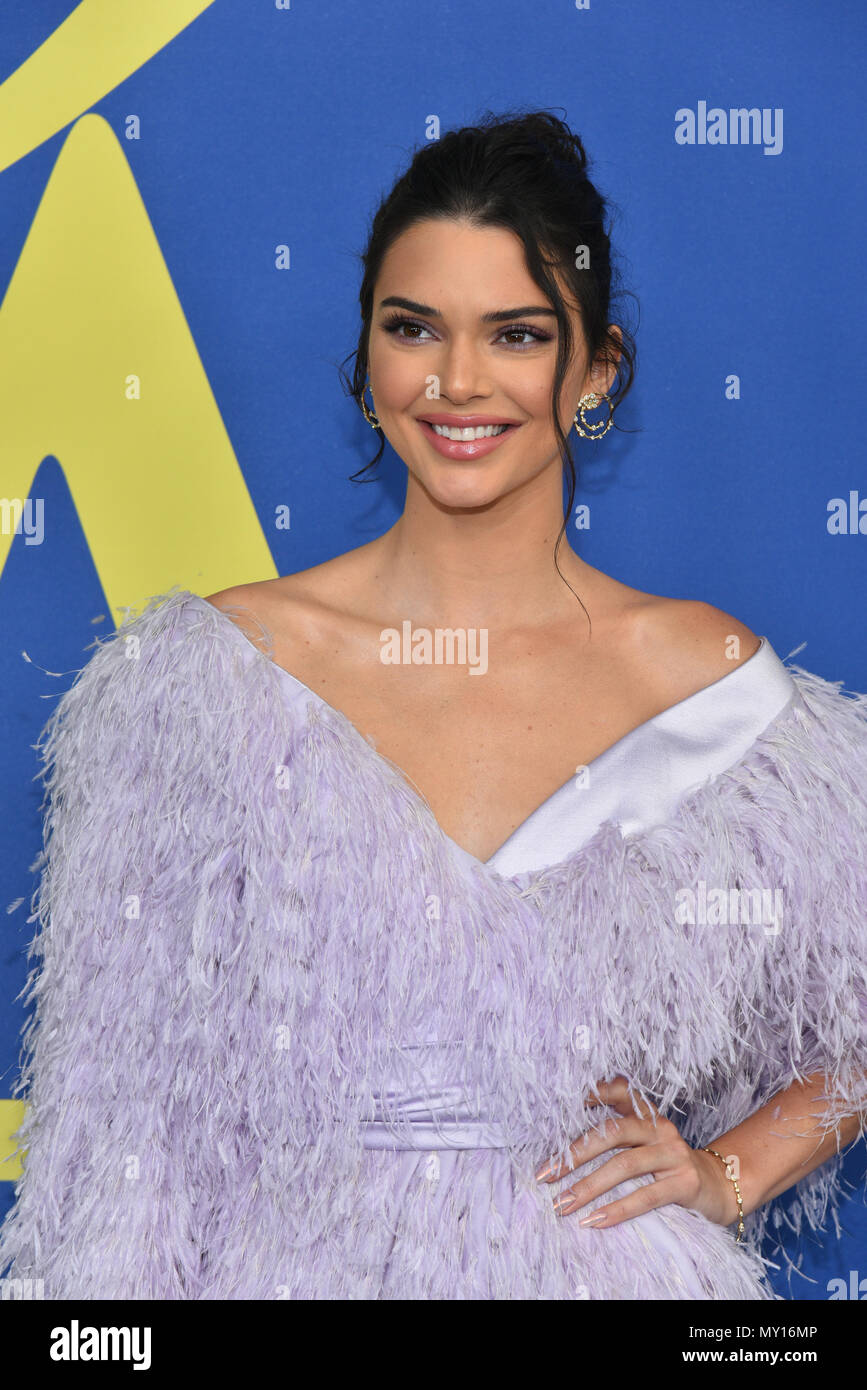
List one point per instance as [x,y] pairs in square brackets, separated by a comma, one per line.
[590,1220]
[543,1173]
[564,1202]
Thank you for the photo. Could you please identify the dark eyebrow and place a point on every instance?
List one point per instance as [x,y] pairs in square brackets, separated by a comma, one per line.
[496,316]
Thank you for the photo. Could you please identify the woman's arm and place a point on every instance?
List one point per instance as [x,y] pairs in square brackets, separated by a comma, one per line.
[776,1147]
[116,1190]
[780,1144]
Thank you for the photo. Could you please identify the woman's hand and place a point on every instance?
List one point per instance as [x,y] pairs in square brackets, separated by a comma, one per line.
[689,1177]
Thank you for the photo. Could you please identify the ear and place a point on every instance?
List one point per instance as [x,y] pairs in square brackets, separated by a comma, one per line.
[604,369]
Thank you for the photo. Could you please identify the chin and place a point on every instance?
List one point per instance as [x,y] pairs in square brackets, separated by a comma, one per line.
[464,492]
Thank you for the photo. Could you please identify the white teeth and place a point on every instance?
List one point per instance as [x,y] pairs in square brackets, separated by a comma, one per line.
[465,435]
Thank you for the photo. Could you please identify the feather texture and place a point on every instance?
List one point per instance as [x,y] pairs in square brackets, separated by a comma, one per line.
[253,940]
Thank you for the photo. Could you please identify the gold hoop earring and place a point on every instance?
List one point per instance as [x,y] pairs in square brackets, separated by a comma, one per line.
[590,402]
[370,418]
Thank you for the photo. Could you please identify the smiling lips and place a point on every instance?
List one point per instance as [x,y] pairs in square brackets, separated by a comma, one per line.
[466,436]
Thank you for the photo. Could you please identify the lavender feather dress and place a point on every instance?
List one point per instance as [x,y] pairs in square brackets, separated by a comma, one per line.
[290,1041]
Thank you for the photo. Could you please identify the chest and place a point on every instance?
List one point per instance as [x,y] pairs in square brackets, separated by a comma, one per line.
[485,751]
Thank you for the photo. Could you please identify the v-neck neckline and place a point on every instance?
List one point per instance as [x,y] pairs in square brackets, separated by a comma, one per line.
[386,764]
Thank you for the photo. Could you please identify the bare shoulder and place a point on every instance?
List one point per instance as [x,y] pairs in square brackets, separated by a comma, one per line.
[683,645]
[244,604]
[300,611]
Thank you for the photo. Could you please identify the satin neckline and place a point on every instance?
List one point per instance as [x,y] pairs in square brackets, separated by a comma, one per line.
[669,716]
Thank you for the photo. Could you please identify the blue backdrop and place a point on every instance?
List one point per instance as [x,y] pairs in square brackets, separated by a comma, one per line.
[268,124]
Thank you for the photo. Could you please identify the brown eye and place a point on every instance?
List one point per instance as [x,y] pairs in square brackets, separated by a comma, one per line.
[398,322]
[525,330]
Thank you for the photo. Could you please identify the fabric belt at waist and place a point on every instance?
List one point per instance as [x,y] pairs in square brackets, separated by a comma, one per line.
[442,1134]
[430,1109]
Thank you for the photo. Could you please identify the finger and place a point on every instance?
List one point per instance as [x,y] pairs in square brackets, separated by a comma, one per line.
[627,1104]
[648,1198]
[617,1095]
[632,1163]
[603,1089]
[629,1130]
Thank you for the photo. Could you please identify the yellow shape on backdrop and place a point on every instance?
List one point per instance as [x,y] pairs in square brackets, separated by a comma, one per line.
[97,363]
[98,367]
[96,48]
[11,1115]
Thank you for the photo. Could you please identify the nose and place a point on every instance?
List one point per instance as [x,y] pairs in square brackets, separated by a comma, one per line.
[463,374]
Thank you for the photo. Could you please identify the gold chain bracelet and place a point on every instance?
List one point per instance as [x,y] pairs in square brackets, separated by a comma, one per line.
[731,1175]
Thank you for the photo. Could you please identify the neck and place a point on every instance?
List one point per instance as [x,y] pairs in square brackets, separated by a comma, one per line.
[488,566]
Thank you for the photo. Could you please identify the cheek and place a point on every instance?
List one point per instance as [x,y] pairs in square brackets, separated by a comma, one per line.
[535,400]
[398,382]
[531,387]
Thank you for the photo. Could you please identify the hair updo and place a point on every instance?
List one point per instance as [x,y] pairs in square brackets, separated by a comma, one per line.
[526,173]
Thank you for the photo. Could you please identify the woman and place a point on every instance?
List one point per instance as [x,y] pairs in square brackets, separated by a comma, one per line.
[366,978]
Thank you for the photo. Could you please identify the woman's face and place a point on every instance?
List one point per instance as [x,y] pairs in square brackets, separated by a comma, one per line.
[434,354]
